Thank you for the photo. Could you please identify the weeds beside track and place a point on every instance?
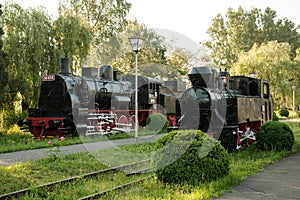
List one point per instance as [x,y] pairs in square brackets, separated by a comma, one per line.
[129,169]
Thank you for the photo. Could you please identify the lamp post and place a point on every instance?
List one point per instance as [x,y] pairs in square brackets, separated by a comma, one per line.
[136,44]
[293,89]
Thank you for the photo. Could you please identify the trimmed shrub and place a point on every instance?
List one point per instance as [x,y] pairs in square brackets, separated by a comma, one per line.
[157,122]
[284,113]
[275,135]
[275,117]
[190,156]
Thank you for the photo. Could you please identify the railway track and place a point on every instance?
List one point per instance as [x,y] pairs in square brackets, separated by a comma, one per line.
[119,187]
[122,168]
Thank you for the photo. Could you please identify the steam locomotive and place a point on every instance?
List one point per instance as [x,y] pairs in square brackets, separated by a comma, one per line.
[230,109]
[98,102]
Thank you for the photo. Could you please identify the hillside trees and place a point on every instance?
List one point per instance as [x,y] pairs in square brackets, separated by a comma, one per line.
[241,29]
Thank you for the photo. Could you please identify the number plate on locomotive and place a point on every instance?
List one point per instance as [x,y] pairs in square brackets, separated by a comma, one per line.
[49,78]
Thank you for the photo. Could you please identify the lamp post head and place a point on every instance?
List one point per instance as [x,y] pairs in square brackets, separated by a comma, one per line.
[293,87]
[136,43]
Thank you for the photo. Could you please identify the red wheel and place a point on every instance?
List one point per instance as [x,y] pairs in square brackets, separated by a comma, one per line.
[96,127]
[123,121]
[132,121]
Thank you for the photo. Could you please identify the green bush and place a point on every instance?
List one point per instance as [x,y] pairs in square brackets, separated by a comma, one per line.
[298,114]
[10,118]
[284,113]
[275,135]
[275,117]
[190,156]
[157,122]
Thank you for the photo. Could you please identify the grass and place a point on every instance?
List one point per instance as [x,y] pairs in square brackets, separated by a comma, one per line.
[29,174]
[83,187]
[243,163]
[295,126]
[15,140]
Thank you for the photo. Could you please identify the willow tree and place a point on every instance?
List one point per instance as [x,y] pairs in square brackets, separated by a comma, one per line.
[271,61]
[29,49]
[72,38]
[104,18]
[3,69]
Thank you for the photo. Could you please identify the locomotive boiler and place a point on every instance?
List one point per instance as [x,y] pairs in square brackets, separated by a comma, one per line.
[98,102]
[230,109]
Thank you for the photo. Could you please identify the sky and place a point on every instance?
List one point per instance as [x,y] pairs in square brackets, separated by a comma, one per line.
[184,23]
[193,17]
[190,18]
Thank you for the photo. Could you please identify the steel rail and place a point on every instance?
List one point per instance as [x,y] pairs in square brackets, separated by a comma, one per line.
[102,193]
[68,180]
[141,171]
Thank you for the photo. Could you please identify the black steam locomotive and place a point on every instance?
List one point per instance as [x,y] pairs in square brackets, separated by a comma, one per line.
[230,109]
[96,103]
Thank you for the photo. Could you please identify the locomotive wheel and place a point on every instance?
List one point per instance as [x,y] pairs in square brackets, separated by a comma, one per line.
[123,121]
[96,125]
[132,121]
[228,140]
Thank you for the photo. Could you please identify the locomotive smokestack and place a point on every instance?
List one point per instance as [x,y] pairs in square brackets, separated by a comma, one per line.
[65,66]
[202,77]
[106,72]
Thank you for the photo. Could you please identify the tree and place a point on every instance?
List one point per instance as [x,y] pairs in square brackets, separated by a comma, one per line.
[102,20]
[179,60]
[271,62]
[123,59]
[240,30]
[3,68]
[29,50]
[34,44]
[156,59]
[72,38]
[106,18]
